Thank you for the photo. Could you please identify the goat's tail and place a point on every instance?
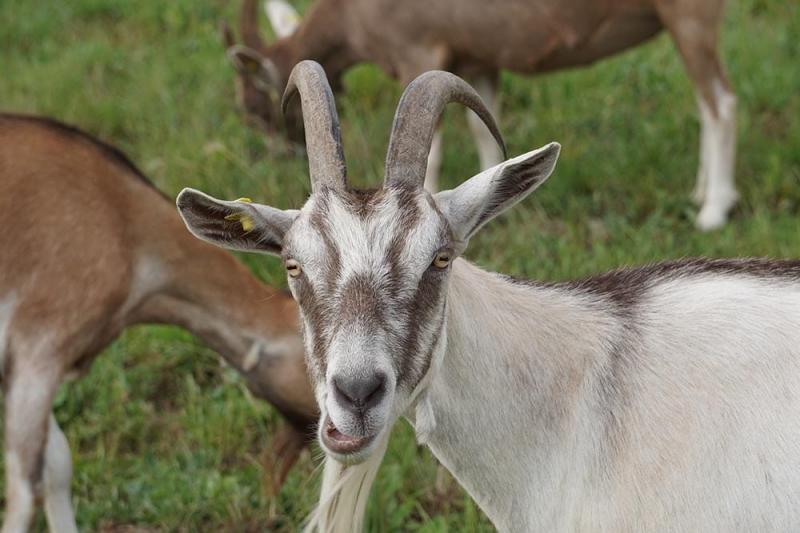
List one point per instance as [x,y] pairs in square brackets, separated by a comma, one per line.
[344,494]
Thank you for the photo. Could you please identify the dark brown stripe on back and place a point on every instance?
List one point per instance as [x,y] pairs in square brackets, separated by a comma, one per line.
[112,153]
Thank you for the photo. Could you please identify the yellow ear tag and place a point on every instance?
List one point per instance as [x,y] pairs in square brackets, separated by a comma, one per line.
[247,223]
[245,200]
[243,219]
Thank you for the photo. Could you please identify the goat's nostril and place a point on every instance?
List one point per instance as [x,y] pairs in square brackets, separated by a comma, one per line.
[360,393]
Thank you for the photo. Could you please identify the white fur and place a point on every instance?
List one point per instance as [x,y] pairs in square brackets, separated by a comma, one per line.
[19,501]
[698,431]
[356,351]
[345,492]
[282,16]
[708,429]
[7,305]
[27,398]
[149,275]
[57,479]
[252,357]
[715,184]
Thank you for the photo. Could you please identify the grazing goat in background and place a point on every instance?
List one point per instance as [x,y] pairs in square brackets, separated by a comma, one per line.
[90,247]
[477,38]
[662,398]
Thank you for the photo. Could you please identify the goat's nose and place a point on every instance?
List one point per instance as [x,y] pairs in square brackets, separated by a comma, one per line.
[357,394]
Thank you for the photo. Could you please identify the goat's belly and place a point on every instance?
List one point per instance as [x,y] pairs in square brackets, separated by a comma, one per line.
[552,41]
[612,36]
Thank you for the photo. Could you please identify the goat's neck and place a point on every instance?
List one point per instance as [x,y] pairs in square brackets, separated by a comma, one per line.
[211,294]
[507,398]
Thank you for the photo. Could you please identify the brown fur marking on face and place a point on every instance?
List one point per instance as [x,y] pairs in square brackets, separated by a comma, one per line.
[363,202]
[423,306]
[360,302]
[314,310]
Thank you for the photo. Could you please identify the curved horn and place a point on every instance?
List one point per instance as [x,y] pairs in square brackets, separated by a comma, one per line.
[416,119]
[248,25]
[323,136]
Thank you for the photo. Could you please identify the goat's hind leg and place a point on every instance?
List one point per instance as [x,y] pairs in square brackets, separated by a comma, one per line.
[695,29]
[57,481]
[29,391]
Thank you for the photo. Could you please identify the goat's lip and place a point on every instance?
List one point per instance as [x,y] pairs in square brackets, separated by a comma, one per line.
[338,442]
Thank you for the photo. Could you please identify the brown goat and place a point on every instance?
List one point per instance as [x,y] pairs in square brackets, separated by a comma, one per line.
[124,257]
[477,38]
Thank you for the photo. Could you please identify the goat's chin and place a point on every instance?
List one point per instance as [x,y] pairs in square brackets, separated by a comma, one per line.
[344,448]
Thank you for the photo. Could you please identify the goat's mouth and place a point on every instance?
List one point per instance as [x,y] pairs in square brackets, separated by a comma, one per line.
[340,443]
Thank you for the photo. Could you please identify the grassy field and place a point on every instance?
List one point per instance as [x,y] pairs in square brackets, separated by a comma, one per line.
[164,437]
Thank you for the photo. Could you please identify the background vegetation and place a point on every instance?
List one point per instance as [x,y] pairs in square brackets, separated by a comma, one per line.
[167,439]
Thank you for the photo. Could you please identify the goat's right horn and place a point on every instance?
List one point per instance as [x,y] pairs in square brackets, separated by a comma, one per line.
[323,135]
[416,119]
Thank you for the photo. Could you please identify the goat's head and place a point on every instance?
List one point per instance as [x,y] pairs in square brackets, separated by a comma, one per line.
[370,269]
[259,78]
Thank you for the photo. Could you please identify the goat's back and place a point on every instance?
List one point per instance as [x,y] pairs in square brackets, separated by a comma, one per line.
[72,211]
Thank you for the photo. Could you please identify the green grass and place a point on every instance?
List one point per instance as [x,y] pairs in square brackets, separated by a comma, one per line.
[164,436]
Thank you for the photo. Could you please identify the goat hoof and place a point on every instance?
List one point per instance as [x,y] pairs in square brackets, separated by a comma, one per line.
[714,214]
[711,219]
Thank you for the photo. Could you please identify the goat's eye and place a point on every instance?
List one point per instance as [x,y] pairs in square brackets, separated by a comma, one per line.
[292,268]
[442,260]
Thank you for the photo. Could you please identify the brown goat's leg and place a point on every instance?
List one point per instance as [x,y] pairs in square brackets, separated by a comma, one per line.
[57,481]
[695,29]
[280,457]
[29,394]
[488,151]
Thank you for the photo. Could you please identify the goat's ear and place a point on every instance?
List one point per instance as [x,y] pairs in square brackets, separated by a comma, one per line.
[479,199]
[237,225]
[251,64]
[226,34]
[283,17]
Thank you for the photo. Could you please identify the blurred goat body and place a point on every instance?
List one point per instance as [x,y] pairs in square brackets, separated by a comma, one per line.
[476,39]
[89,248]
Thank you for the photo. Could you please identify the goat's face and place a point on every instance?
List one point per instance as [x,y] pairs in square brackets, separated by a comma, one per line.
[370,269]
[259,86]
[259,81]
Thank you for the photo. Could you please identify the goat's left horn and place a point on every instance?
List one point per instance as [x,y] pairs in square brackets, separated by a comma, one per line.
[323,135]
[416,119]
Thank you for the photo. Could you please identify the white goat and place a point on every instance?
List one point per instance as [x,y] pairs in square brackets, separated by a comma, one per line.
[478,38]
[663,398]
